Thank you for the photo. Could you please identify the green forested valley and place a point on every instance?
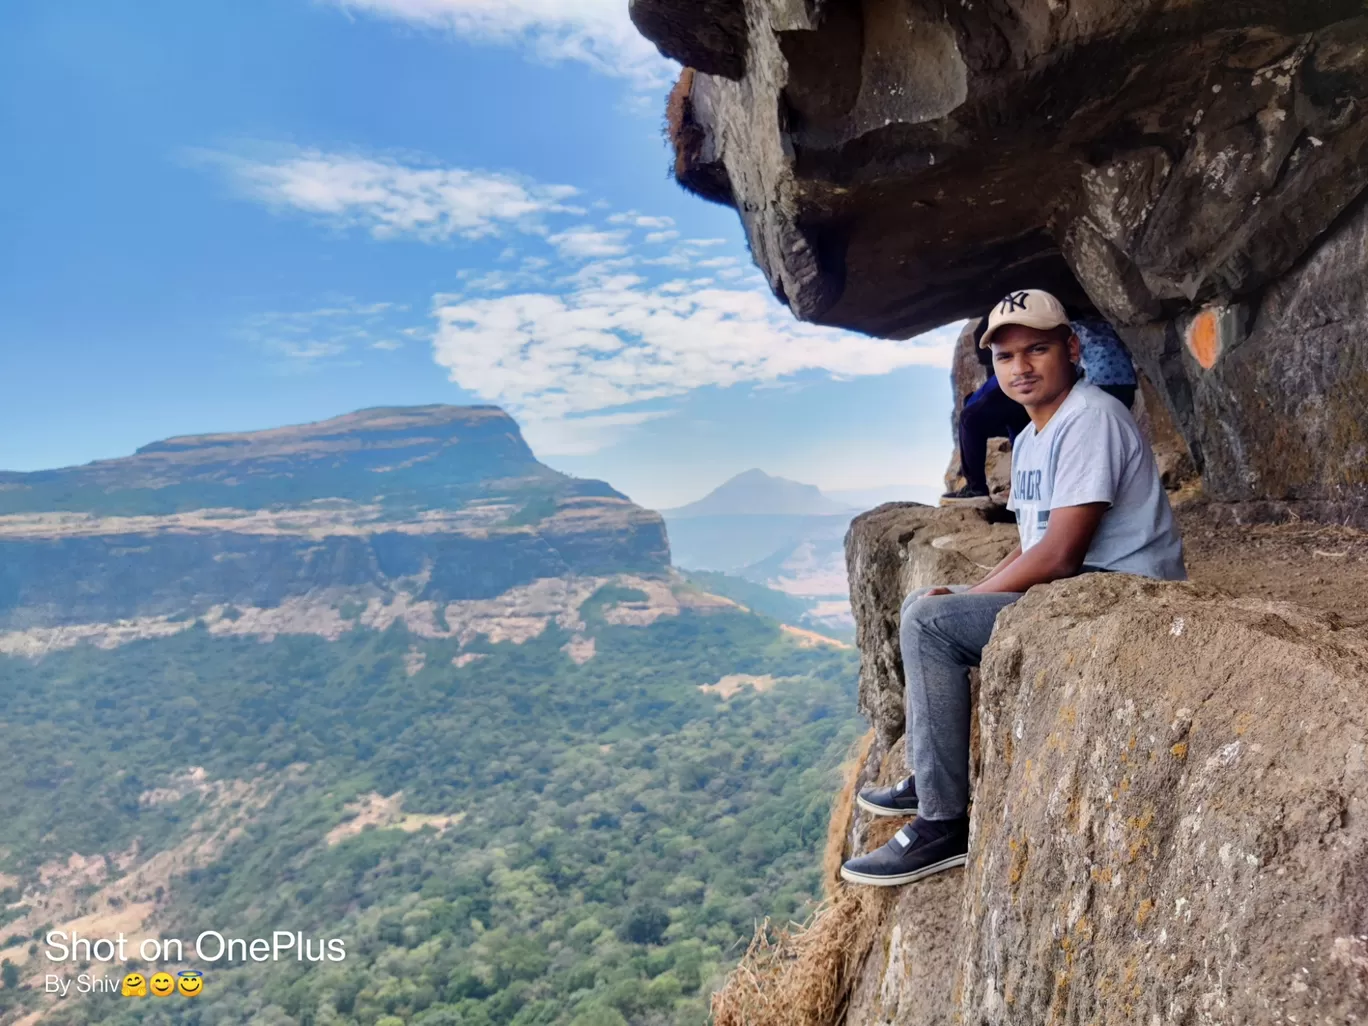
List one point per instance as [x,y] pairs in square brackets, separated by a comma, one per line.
[517,839]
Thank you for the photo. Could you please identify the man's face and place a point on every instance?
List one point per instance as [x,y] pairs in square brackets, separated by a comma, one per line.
[1033,367]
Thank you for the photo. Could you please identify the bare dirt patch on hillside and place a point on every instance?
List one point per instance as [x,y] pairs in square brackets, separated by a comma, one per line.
[377,811]
[811,639]
[102,895]
[735,683]
[517,616]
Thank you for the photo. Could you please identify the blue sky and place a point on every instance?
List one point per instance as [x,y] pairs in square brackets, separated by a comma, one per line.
[234,216]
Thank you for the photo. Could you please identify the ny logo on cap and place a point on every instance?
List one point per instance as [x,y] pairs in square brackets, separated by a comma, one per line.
[1014,301]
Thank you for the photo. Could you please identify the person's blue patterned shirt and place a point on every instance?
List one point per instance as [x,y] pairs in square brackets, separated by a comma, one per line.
[1105,360]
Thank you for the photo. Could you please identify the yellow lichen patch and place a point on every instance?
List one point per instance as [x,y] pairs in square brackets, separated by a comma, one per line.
[1143,912]
[1180,750]
[1020,855]
[1040,679]
[1073,812]
[1139,825]
[1083,928]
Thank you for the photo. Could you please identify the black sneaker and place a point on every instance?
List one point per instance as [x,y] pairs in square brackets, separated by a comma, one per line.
[897,800]
[920,849]
[965,496]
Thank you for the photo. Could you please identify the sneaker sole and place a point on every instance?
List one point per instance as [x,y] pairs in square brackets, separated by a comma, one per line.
[879,810]
[952,862]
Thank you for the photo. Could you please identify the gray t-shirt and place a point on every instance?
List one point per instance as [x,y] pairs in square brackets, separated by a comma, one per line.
[1091,451]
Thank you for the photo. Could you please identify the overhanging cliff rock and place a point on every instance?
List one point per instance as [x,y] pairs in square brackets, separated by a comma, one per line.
[1193,169]
[1168,820]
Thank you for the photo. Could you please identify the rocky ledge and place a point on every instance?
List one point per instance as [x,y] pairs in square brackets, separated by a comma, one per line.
[1193,169]
[1168,823]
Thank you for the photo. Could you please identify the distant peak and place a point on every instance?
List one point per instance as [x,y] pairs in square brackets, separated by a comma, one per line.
[756,493]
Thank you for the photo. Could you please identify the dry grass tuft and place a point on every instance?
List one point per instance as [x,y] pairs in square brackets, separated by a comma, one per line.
[842,811]
[801,975]
[678,113]
[696,168]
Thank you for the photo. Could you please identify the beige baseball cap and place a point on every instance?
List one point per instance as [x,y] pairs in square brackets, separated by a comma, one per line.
[1033,308]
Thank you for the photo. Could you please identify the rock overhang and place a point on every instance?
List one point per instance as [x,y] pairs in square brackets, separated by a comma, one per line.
[901,163]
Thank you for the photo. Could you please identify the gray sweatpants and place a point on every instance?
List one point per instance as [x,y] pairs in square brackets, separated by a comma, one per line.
[942,637]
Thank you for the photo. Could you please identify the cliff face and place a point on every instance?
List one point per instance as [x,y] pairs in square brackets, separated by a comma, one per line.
[1193,169]
[1169,781]
[1167,815]
[261,518]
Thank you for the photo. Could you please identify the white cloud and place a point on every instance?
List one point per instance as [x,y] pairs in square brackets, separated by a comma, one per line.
[593,32]
[641,220]
[572,328]
[302,339]
[308,350]
[582,435]
[617,341]
[391,199]
[584,242]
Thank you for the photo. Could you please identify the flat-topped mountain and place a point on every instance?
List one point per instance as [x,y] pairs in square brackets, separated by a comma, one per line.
[415,457]
[442,503]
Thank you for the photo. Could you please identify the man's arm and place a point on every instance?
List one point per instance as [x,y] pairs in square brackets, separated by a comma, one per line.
[1059,554]
[991,574]
[1007,561]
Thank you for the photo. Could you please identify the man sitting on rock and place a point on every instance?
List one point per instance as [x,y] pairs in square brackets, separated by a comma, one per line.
[1087,497]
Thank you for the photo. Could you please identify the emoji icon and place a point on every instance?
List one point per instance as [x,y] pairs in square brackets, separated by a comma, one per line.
[162,985]
[134,985]
[190,982]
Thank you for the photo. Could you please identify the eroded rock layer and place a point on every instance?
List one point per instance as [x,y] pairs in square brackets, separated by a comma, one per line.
[1193,169]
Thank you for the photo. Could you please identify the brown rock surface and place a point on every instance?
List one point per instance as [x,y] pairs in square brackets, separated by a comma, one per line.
[1172,807]
[1165,828]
